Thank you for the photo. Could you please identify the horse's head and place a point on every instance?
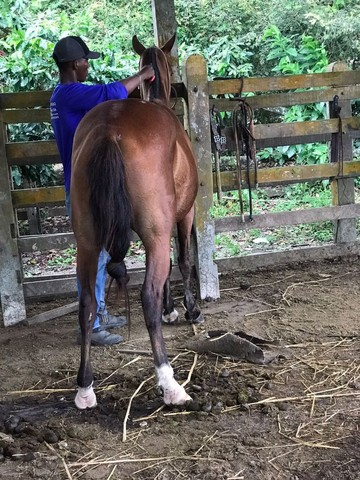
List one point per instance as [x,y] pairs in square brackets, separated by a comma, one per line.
[160,88]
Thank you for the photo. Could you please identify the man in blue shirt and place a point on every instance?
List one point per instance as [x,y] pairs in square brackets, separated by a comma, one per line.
[70,101]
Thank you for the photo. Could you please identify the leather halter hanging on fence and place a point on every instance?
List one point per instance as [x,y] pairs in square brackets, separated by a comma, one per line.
[337,138]
[218,144]
[217,126]
[243,126]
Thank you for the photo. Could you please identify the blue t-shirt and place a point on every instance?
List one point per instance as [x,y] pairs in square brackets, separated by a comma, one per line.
[68,104]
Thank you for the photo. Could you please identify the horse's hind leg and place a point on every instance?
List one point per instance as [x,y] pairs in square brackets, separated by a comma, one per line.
[170,314]
[157,269]
[86,272]
[193,312]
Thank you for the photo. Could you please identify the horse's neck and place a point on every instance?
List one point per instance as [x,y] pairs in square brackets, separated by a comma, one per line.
[164,98]
[161,87]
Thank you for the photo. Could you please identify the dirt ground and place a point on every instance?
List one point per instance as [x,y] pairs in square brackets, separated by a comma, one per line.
[295,418]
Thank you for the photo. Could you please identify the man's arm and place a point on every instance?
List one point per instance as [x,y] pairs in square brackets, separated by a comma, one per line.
[146,73]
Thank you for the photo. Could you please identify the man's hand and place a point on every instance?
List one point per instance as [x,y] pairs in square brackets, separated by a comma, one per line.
[147,73]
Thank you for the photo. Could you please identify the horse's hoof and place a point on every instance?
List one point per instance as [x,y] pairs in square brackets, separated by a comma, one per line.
[170,318]
[85,398]
[176,396]
[196,321]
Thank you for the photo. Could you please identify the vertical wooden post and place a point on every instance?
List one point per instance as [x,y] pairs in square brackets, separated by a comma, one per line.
[195,79]
[341,149]
[163,12]
[11,289]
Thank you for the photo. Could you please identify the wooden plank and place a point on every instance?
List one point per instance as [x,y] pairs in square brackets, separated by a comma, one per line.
[37,196]
[281,219]
[266,177]
[43,114]
[284,82]
[32,243]
[317,127]
[289,99]
[25,99]
[303,173]
[216,87]
[284,141]
[11,290]
[31,149]
[275,141]
[195,79]
[286,257]
[60,241]
[41,98]
[59,211]
[50,287]
[28,115]
[281,141]
[66,286]
[291,174]
[61,286]
[52,314]
[277,134]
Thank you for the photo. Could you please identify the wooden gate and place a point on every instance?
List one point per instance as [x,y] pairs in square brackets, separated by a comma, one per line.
[199,96]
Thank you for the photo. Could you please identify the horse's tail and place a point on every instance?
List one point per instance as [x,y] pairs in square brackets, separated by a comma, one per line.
[109,201]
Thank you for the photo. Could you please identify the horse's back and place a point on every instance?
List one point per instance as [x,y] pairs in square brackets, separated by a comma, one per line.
[158,160]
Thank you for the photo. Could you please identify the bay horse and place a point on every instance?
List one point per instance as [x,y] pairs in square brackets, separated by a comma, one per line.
[133,168]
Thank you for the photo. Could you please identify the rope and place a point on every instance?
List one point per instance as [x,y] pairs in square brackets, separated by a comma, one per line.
[173,89]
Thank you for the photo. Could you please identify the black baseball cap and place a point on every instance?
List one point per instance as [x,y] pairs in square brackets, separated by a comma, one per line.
[72,48]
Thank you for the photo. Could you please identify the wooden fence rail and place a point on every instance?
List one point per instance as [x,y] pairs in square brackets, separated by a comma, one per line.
[195,96]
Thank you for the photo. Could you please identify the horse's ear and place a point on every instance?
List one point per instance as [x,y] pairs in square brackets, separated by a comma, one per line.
[137,46]
[169,44]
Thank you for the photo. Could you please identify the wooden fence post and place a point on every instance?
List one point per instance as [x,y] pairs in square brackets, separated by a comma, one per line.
[11,289]
[341,150]
[163,13]
[195,79]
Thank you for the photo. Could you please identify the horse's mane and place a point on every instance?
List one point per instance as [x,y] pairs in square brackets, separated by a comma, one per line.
[159,89]
[155,85]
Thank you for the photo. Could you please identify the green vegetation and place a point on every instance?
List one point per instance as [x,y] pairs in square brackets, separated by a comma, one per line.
[255,240]
[237,37]
[63,258]
[59,259]
[280,199]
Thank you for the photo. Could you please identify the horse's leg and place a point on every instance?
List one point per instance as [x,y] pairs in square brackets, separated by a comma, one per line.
[157,269]
[170,314]
[86,271]
[193,312]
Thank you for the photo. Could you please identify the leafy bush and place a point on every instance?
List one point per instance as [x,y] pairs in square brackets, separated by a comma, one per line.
[237,37]
[28,32]
[294,55]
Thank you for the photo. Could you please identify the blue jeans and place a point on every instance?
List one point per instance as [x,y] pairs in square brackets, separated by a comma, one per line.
[104,258]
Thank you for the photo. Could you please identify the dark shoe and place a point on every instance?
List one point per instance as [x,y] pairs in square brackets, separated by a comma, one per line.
[101,338]
[110,321]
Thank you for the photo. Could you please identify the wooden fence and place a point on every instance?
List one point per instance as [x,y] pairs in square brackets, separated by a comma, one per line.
[199,96]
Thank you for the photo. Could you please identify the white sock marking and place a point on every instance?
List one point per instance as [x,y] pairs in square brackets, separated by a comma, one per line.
[85,398]
[170,317]
[174,394]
